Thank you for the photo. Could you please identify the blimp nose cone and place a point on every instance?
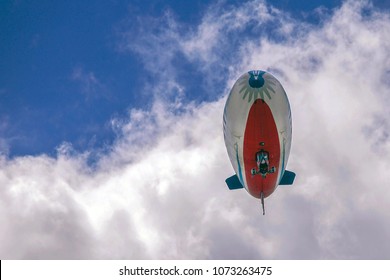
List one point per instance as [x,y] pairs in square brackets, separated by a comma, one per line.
[255,79]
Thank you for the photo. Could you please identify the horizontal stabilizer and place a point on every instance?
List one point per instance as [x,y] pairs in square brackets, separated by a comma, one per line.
[233,183]
[288,178]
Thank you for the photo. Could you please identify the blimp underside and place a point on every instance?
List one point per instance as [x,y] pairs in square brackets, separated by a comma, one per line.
[257,133]
[261,150]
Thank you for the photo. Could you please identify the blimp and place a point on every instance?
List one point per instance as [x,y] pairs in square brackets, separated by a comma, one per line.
[257,127]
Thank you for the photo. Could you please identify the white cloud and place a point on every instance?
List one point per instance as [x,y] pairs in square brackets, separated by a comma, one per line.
[160,193]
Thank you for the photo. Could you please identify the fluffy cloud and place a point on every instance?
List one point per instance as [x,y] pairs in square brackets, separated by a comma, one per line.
[160,192]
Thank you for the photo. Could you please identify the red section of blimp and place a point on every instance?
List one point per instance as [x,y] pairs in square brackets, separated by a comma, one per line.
[261,133]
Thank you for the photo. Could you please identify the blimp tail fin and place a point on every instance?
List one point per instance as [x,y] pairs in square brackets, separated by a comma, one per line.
[233,183]
[288,178]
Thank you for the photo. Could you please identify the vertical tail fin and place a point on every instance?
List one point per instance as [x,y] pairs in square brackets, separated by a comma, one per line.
[233,183]
[288,178]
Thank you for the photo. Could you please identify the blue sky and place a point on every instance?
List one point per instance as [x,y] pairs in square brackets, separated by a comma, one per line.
[64,76]
[111,114]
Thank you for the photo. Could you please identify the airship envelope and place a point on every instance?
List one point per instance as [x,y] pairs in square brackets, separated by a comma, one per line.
[257,128]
